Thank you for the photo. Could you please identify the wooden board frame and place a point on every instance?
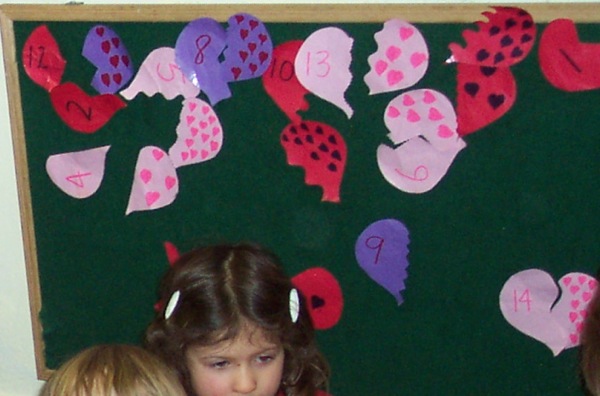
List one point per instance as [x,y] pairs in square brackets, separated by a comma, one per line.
[318,13]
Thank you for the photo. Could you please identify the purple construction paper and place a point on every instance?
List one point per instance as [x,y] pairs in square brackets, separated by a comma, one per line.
[382,252]
[197,52]
[105,50]
[249,48]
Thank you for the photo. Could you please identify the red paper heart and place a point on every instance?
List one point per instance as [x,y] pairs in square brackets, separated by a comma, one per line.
[82,112]
[322,296]
[321,150]
[281,83]
[567,63]
[484,95]
[42,59]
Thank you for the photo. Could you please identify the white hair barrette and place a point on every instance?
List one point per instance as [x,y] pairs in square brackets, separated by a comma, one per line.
[172,304]
[294,305]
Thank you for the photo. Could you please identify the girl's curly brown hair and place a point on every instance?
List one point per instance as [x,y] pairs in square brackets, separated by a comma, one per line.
[222,288]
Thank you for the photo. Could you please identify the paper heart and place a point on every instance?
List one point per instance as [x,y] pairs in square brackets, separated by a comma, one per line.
[484,94]
[326,72]
[155,183]
[249,35]
[319,285]
[82,112]
[321,150]
[42,59]
[160,73]
[78,174]
[422,112]
[400,61]
[504,40]
[110,57]
[528,301]
[565,61]
[416,166]
[199,134]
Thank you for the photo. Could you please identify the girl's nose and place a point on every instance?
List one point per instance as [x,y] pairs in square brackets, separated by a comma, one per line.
[245,380]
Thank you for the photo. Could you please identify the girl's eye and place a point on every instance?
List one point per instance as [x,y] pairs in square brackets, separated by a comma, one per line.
[220,364]
[265,358]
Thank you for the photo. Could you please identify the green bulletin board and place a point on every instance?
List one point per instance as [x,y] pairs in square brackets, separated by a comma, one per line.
[522,194]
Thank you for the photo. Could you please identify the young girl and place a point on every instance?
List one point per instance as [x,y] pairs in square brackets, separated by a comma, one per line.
[233,324]
[109,370]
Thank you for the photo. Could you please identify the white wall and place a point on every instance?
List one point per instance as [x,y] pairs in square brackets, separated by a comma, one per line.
[17,366]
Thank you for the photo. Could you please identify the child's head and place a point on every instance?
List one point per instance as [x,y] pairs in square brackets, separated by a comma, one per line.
[590,347]
[113,370]
[226,325]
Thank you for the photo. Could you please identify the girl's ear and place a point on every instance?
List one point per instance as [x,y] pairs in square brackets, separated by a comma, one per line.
[172,252]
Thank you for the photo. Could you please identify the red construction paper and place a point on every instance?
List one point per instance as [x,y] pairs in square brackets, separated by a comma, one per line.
[282,85]
[567,63]
[82,112]
[321,151]
[172,252]
[484,94]
[323,295]
[504,40]
[42,59]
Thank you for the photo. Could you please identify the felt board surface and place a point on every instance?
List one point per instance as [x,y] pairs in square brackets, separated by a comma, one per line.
[522,194]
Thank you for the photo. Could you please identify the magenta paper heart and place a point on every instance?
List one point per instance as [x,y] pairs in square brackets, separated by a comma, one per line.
[527,301]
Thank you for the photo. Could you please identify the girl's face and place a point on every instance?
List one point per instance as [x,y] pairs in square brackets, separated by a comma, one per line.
[250,364]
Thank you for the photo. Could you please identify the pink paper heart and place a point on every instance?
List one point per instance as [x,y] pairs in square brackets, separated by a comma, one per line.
[393,112]
[394,77]
[413,116]
[417,59]
[186,149]
[151,197]
[380,67]
[393,53]
[528,302]
[406,33]
[146,175]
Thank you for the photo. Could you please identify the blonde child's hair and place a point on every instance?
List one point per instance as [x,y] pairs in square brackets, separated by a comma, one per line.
[113,370]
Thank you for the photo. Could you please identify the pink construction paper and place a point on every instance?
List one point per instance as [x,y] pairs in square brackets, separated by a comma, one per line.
[528,301]
[416,166]
[155,182]
[323,66]
[199,134]
[80,173]
[159,73]
[422,112]
[401,58]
